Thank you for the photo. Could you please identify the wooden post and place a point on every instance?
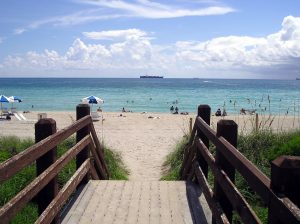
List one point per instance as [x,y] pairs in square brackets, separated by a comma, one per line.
[228,129]
[285,181]
[82,110]
[44,128]
[204,113]
[191,125]
[256,122]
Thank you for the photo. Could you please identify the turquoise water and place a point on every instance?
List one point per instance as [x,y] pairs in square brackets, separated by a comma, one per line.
[155,95]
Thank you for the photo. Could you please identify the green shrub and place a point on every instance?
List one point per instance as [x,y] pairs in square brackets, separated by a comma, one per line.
[292,148]
[173,162]
[117,169]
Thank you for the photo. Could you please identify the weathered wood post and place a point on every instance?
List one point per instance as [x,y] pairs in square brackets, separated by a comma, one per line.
[204,113]
[256,121]
[44,128]
[228,129]
[285,181]
[191,126]
[82,110]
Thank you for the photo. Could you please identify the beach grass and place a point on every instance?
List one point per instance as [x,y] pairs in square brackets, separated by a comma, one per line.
[173,161]
[260,147]
[12,145]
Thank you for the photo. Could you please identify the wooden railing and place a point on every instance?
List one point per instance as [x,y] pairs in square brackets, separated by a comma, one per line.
[44,188]
[281,194]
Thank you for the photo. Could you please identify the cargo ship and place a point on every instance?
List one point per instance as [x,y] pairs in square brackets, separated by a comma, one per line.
[151,77]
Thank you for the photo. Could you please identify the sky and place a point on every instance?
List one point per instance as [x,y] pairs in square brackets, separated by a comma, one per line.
[128,38]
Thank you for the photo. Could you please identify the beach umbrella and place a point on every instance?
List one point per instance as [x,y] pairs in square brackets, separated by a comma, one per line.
[4,99]
[92,100]
[14,99]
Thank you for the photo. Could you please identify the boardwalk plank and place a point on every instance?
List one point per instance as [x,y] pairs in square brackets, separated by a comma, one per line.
[123,208]
[91,208]
[134,203]
[75,213]
[154,202]
[175,203]
[131,202]
[165,213]
[103,204]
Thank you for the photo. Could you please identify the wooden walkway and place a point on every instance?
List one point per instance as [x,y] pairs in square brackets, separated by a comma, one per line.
[138,202]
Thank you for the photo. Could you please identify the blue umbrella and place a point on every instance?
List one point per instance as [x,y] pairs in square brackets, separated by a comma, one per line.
[4,99]
[92,100]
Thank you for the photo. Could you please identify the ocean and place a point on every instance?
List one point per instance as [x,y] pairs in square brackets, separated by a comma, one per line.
[155,95]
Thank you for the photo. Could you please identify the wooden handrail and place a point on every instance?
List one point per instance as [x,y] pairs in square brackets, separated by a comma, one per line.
[52,210]
[227,160]
[214,205]
[255,178]
[99,150]
[235,197]
[102,174]
[17,203]
[88,140]
[14,164]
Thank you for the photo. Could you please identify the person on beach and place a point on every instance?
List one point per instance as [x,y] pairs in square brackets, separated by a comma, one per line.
[172,109]
[242,111]
[218,112]
[176,110]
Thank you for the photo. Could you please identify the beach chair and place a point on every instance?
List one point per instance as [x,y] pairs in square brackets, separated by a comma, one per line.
[22,117]
[95,116]
[5,111]
[17,116]
[13,110]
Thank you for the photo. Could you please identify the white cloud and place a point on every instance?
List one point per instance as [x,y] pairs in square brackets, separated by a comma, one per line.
[73,19]
[132,52]
[19,31]
[112,9]
[154,10]
[76,18]
[116,34]
[280,48]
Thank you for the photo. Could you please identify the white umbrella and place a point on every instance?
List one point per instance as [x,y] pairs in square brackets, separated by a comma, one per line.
[14,99]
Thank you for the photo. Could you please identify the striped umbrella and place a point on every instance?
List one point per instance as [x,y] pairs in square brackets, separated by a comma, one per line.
[4,99]
[14,99]
[92,100]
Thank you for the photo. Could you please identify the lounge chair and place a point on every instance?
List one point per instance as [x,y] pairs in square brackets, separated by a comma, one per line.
[13,110]
[5,111]
[22,117]
[17,116]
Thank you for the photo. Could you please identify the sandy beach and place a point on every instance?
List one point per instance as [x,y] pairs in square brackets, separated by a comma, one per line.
[143,142]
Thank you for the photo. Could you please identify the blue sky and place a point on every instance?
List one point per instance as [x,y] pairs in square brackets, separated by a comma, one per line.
[128,38]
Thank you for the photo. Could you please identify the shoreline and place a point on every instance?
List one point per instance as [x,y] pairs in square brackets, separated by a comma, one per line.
[66,118]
